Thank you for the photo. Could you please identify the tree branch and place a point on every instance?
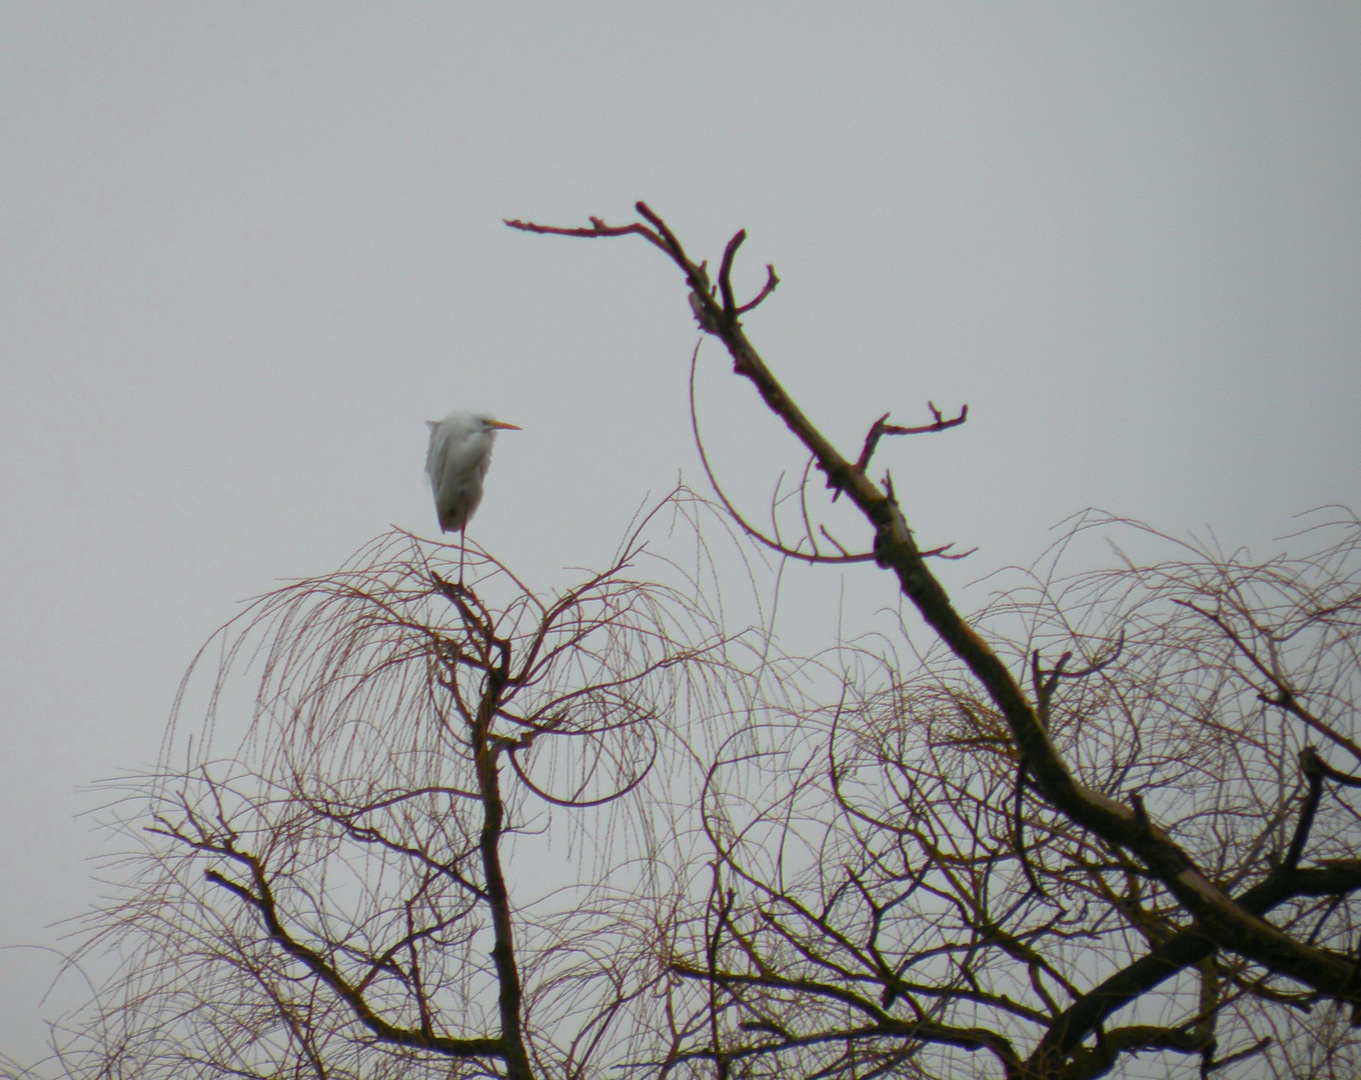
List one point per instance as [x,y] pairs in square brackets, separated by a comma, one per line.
[262,901]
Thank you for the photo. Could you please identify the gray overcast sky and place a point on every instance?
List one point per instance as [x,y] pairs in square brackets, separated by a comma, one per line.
[248,249]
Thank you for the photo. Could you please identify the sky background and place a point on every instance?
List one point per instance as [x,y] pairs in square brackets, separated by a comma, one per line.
[249,248]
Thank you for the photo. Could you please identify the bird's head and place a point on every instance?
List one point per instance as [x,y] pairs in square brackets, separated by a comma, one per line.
[463,424]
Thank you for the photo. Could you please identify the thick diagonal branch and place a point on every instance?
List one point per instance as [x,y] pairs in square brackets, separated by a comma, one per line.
[259,896]
[1179,952]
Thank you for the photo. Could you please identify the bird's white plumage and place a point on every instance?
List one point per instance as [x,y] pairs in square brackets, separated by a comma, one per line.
[456,461]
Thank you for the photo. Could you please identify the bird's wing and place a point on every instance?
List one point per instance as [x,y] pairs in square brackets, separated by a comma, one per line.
[435,452]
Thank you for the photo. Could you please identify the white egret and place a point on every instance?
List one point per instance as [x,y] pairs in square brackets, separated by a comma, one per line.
[457,461]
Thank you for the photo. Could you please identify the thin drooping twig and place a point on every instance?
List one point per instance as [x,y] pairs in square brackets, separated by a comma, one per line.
[774,543]
[1284,696]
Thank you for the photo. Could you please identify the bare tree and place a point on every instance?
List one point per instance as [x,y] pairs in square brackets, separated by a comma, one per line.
[1104,825]
[977,851]
[334,898]
[891,893]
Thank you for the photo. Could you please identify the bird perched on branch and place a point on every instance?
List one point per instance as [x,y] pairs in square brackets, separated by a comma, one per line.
[458,459]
